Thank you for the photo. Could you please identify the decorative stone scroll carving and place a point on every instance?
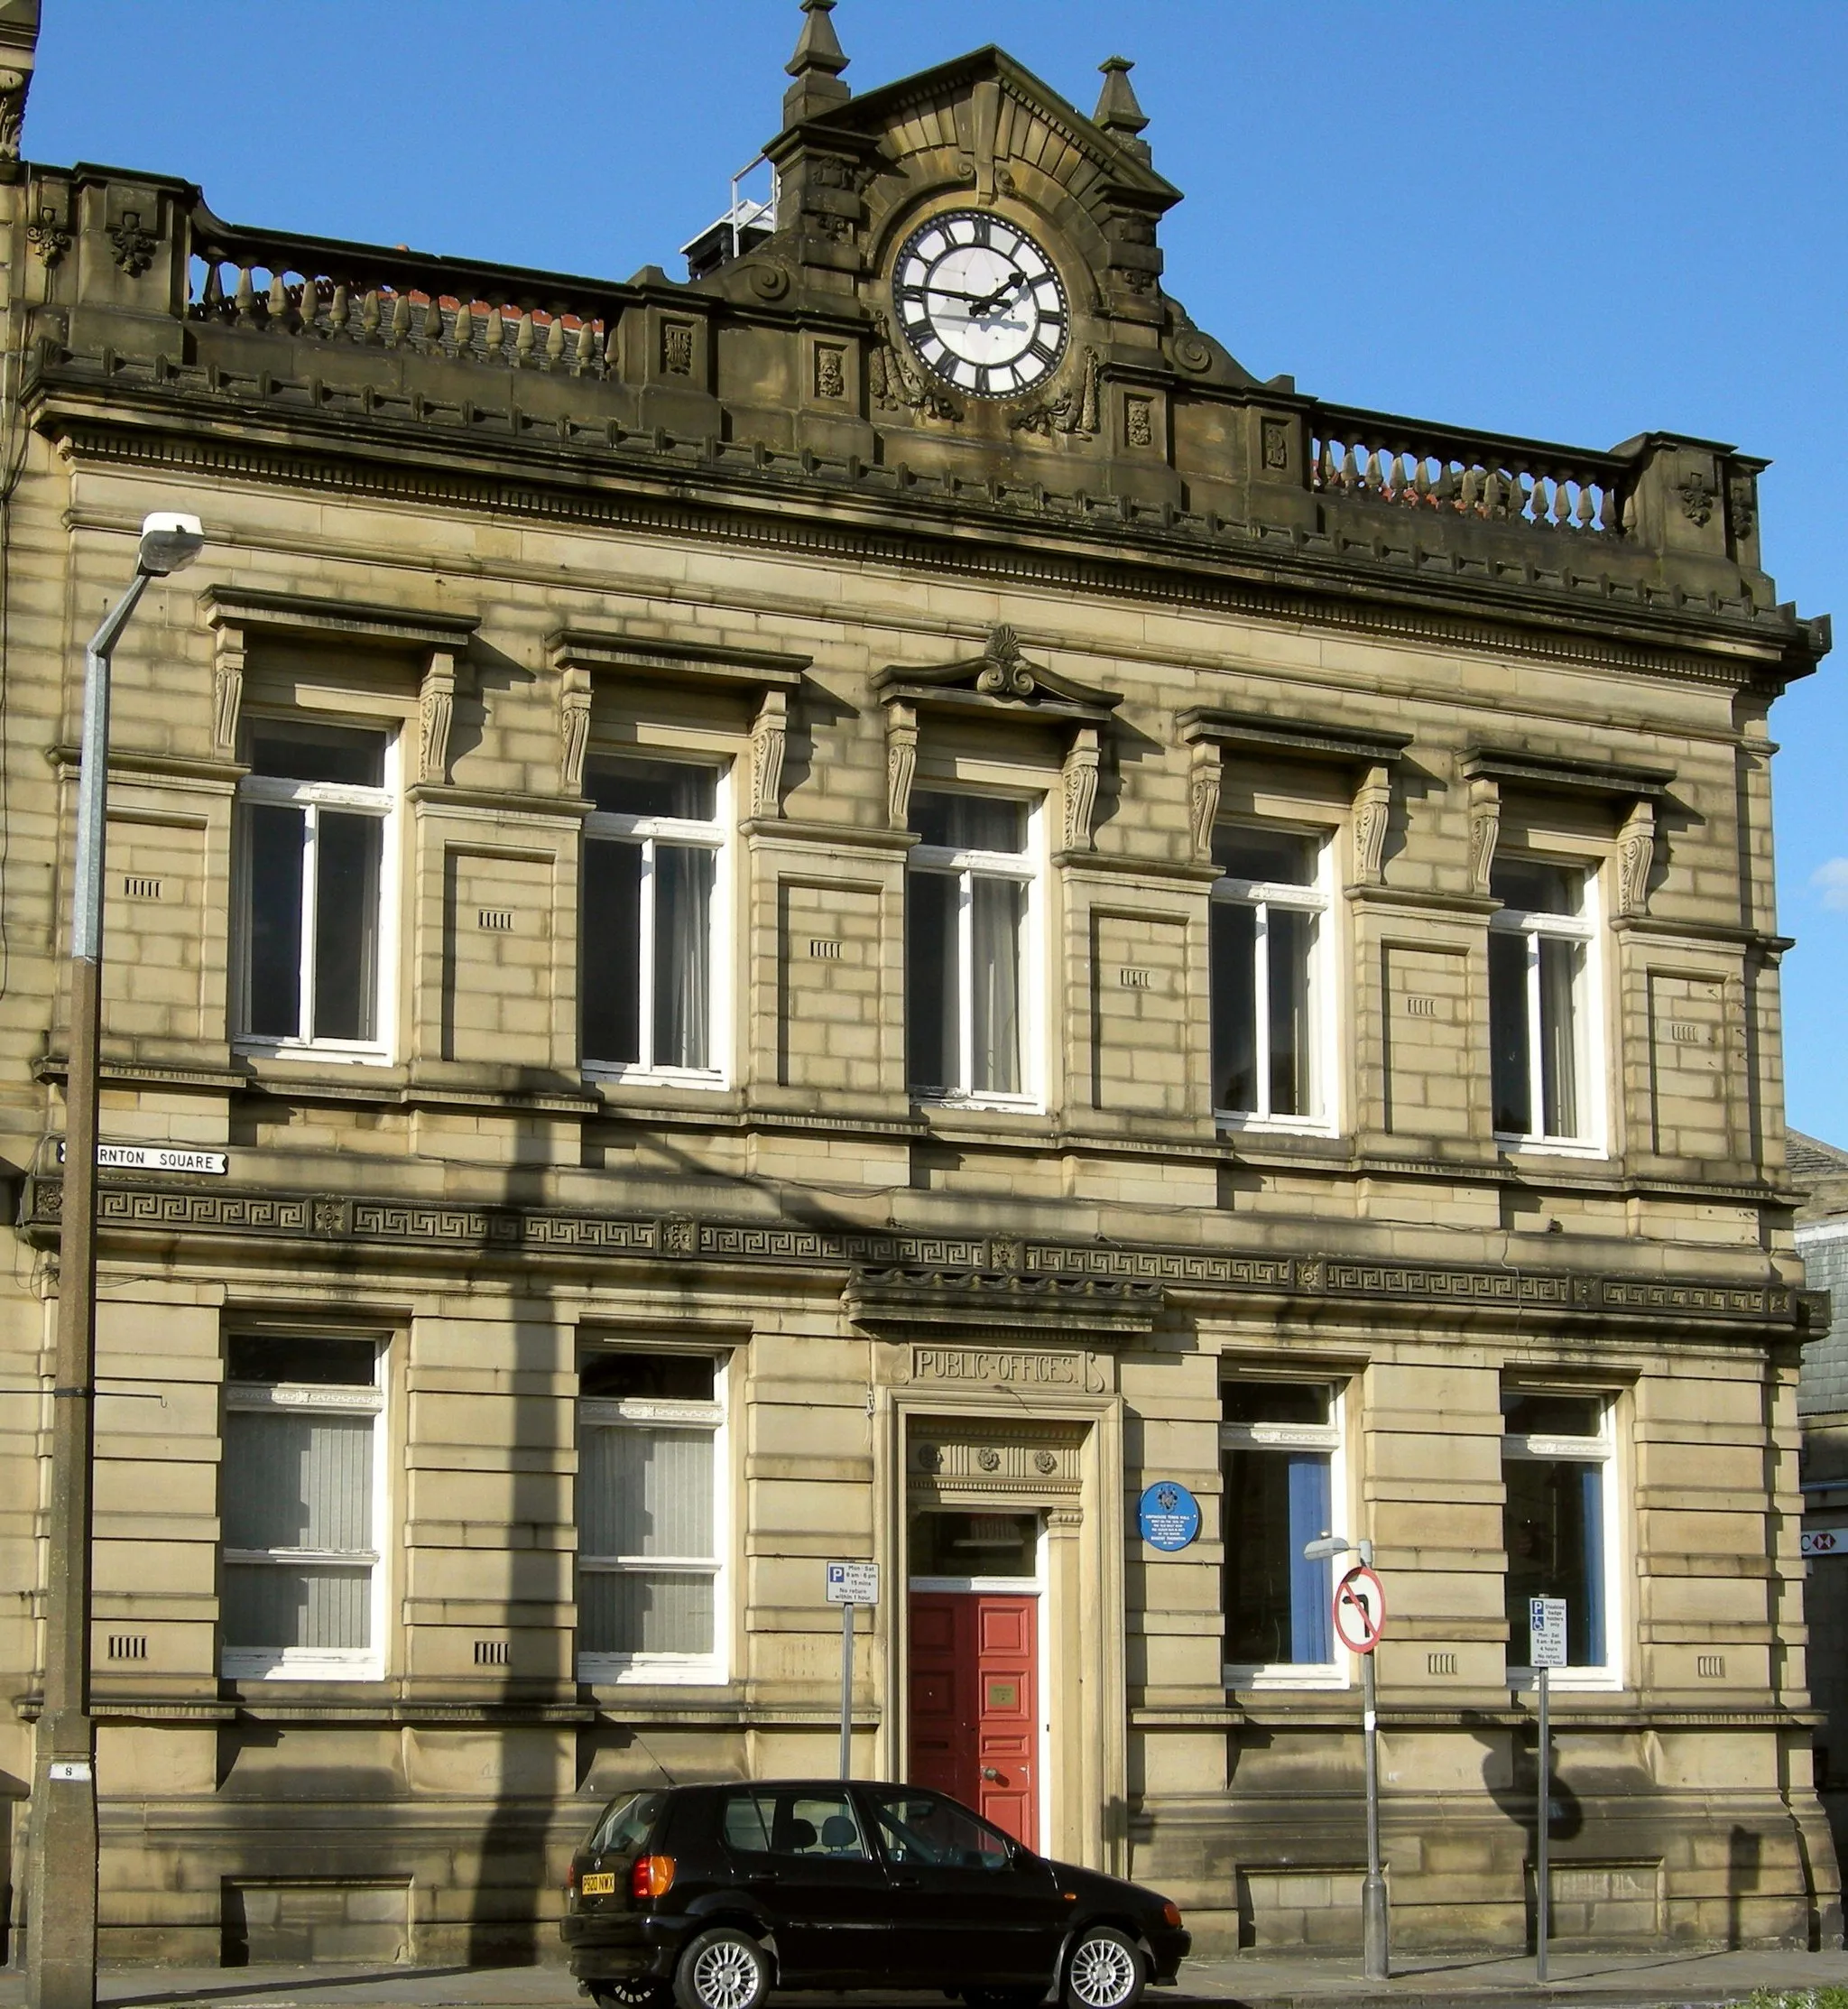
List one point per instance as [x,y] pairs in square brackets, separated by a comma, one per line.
[1372,812]
[897,383]
[1484,832]
[900,763]
[227,689]
[1080,776]
[436,710]
[574,726]
[768,738]
[1075,409]
[1636,852]
[1203,798]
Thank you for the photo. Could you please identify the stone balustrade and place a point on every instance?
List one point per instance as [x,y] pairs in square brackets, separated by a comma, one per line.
[1366,456]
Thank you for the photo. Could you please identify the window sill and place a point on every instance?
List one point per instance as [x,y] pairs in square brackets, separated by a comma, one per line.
[927,1102]
[1257,1680]
[296,1052]
[290,1665]
[1548,1147]
[701,1081]
[1235,1123]
[601,1671]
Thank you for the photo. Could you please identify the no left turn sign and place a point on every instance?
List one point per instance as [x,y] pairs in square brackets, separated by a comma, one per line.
[1360,1610]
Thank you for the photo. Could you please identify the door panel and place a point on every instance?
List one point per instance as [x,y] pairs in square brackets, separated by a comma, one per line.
[975,1704]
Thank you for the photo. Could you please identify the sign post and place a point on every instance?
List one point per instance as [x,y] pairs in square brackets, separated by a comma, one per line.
[1546,1634]
[1360,1617]
[850,1584]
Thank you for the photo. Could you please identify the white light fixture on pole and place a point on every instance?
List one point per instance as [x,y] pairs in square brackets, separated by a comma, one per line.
[1375,1934]
[61,1904]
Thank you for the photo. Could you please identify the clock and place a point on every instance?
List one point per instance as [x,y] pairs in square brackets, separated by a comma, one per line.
[980,303]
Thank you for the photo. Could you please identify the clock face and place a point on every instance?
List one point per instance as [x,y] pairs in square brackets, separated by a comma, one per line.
[980,303]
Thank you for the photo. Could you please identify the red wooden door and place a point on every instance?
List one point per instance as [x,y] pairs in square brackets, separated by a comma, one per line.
[975,1704]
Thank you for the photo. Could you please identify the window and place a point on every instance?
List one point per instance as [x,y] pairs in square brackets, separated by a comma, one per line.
[923,1828]
[1558,1524]
[969,902]
[653,854]
[1279,1446]
[650,1506]
[793,1820]
[315,897]
[301,1596]
[1539,1005]
[1269,989]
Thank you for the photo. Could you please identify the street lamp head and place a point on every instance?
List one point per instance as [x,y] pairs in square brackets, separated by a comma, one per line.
[1329,1545]
[169,543]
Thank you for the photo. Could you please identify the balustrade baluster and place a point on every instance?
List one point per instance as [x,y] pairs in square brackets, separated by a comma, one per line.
[1376,474]
[277,305]
[1351,471]
[369,316]
[211,300]
[1328,480]
[243,301]
[522,341]
[1444,493]
[338,310]
[555,341]
[433,335]
[1582,514]
[496,334]
[463,332]
[611,367]
[1562,504]
[401,320]
[586,348]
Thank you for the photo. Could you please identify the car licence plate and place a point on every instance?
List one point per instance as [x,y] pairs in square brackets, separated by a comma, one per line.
[602,1883]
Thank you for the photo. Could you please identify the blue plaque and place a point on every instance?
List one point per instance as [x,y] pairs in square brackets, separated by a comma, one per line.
[1169,1515]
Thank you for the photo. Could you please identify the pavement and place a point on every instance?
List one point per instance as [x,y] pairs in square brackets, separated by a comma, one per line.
[1282,1980]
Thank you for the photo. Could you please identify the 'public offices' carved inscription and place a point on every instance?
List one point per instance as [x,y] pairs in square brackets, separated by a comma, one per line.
[998,1370]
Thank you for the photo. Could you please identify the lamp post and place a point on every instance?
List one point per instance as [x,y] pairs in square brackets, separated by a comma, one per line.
[1375,1938]
[61,1848]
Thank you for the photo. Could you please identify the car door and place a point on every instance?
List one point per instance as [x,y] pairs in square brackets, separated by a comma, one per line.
[803,1853]
[968,1903]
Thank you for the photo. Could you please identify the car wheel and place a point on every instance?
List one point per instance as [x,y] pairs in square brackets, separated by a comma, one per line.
[1024,1996]
[722,1969]
[1105,1970]
[641,1992]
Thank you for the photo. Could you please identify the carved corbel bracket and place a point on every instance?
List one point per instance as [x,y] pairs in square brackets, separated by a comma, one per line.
[1636,852]
[574,726]
[1372,812]
[1204,781]
[770,733]
[900,763]
[436,712]
[1484,832]
[228,689]
[1079,774]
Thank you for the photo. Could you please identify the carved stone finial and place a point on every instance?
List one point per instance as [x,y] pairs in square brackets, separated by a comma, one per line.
[815,66]
[1003,675]
[1118,113]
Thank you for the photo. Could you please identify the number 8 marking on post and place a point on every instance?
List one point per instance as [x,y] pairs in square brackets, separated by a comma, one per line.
[1359,1611]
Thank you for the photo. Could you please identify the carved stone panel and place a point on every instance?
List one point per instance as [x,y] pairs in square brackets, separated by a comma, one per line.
[1139,1013]
[828,969]
[497,958]
[1689,1106]
[1427,993]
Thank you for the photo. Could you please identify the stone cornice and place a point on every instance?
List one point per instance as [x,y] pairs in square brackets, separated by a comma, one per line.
[991,1275]
[887,513]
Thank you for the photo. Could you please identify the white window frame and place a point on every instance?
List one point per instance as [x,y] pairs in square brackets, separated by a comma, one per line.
[1026,866]
[1316,899]
[659,1412]
[381,803]
[1587,1012]
[1536,1448]
[301,1664]
[1332,1437]
[607,826]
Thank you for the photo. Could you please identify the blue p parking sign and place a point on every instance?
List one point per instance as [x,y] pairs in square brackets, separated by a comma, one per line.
[1169,1515]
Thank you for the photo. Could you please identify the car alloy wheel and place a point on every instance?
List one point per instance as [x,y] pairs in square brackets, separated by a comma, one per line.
[722,1969]
[1104,1971]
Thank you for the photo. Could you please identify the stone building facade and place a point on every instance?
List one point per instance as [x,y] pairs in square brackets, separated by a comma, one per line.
[860,908]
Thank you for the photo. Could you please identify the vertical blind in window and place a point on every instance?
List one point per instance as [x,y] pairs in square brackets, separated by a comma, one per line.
[296,1487]
[647,1518]
[1278,1441]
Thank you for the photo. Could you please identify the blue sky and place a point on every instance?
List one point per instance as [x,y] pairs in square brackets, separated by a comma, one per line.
[1566,220]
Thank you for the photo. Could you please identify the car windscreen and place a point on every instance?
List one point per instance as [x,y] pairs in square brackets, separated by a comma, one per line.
[625,1824]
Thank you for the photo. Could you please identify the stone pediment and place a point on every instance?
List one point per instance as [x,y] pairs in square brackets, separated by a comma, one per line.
[1000,677]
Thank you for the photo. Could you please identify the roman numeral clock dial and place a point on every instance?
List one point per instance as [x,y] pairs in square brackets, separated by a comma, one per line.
[981,304]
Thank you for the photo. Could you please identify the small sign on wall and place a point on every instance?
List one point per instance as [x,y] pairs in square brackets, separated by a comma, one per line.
[1169,1516]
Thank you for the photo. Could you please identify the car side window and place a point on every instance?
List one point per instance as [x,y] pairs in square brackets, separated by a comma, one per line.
[923,1828]
[810,1825]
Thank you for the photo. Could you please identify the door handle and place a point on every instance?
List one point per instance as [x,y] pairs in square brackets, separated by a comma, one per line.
[904,1883]
[996,1778]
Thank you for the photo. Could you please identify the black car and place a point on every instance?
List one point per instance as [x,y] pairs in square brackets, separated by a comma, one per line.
[717,1893]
